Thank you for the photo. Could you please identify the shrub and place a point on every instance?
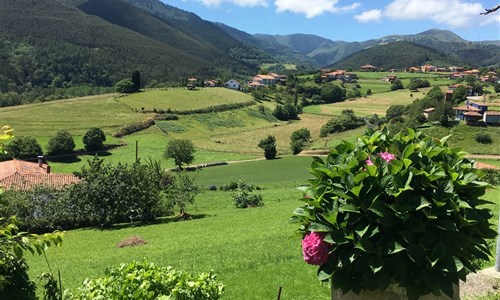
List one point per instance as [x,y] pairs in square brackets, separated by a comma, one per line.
[15,271]
[416,83]
[285,112]
[397,85]
[145,280]
[492,176]
[346,121]
[212,187]
[125,86]
[94,139]
[299,139]
[181,191]
[395,111]
[403,209]
[243,197]
[483,138]
[61,143]
[269,146]
[129,129]
[24,147]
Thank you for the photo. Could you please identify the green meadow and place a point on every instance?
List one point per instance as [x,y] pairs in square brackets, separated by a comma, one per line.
[179,99]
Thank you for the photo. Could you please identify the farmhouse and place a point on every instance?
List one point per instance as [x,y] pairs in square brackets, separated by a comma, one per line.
[368,68]
[390,78]
[267,79]
[232,84]
[334,75]
[474,111]
[23,175]
[428,68]
[210,83]
[413,70]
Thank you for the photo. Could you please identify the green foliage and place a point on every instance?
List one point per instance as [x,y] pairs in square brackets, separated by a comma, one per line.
[181,190]
[15,283]
[435,94]
[483,138]
[497,87]
[346,121]
[395,111]
[416,83]
[397,85]
[368,92]
[136,80]
[125,86]
[131,128]
[285,112]
[243,197]
[145,280]
[181,151]
[61,143]
[269,146]
[414,219]
[24,147]
[299,139]
[459,94]
[332,93]
[93,139]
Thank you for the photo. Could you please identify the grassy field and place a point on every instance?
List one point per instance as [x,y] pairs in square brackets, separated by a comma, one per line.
[251,250]
[181,99]
[374,104]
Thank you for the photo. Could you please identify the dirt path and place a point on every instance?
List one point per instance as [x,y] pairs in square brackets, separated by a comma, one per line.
[482,283]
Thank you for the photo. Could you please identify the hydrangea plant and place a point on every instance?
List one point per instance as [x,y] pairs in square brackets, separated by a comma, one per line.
[399,209]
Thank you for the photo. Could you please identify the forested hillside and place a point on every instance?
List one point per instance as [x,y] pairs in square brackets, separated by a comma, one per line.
[45,45]
[396,55]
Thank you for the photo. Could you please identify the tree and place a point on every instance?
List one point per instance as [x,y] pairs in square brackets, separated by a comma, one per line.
[181,151]
[395,111]
[332,93]
[497,87]
[125,86]
[299,139]
[93,139]
[136,80]
[269,146]
[416,83]
[182,191]
[435,94]
[397,85]
[24,147]
[61,143]
[459,94]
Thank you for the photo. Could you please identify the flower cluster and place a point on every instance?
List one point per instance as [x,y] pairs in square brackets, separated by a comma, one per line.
[385,156]
[314,249]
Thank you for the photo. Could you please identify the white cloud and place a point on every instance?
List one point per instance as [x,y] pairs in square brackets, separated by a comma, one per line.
[312,8]
[454,13]
[246,3]
[369,16]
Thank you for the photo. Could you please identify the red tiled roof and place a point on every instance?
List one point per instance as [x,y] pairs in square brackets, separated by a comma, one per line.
[429,110]
[472,114]
[19,174]
[27,181]
[467,108]
[493,113]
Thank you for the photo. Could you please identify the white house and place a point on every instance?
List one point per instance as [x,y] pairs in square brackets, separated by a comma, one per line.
[232,84]
[491,117]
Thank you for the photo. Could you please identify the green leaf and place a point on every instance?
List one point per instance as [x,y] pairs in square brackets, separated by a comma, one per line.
[349,208]
[324,272]
[366,245]
[393,247]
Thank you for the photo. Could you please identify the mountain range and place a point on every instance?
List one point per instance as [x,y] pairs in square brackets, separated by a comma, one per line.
[61,43]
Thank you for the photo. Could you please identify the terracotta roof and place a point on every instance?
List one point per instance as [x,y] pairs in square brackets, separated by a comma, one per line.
[368,67]
[467,108]
[492,113]
[428,110]
[27,181]
[472,114]
[20,174]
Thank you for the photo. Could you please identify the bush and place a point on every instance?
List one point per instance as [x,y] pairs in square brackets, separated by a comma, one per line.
[145,280]
[285,112]
[403,209]
[94,139]
[15,271]
[24,147]
[346,121]
[269,146]
[483,138]
[181,191]
[492,176]
[397,85]
[181,151]
[299,139]
[243,197]
[395,111]
[125,86]
[416,83]
[129,129]
[61,143]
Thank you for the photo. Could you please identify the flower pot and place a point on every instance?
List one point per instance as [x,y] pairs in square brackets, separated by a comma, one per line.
[393,292]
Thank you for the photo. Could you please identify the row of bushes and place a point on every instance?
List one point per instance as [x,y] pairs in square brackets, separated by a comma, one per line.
[346,121]
[210,109]
[129,129]
[106,195]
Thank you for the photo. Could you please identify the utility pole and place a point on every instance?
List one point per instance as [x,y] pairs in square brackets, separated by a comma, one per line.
[497,260]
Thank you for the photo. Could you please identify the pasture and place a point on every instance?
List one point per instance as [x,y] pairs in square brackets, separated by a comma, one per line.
[180,99]
[253,251]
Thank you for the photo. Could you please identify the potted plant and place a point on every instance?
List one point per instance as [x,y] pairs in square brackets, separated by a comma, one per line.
[394,214]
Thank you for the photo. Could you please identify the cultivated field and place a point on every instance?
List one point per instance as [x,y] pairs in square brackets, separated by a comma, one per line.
[180,99]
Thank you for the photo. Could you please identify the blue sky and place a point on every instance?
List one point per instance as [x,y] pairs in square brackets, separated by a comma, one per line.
[350,20]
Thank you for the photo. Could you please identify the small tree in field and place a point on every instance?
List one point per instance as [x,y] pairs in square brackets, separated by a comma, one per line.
[94,139]
[24,147]
[125,86]
[181,151]
[269,146]
[136,80]
[61,143]
[182,191]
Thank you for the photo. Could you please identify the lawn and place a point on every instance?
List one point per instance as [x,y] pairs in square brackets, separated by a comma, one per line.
[364,106]
[251,250]
[180,99]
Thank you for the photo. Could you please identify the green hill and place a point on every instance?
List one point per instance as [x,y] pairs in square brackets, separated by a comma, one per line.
[396,55]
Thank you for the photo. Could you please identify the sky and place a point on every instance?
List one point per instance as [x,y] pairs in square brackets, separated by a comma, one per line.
[350,20]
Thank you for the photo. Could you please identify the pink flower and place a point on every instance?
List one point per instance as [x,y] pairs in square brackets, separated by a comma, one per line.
[369,162]
[314,249]
[387,156]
